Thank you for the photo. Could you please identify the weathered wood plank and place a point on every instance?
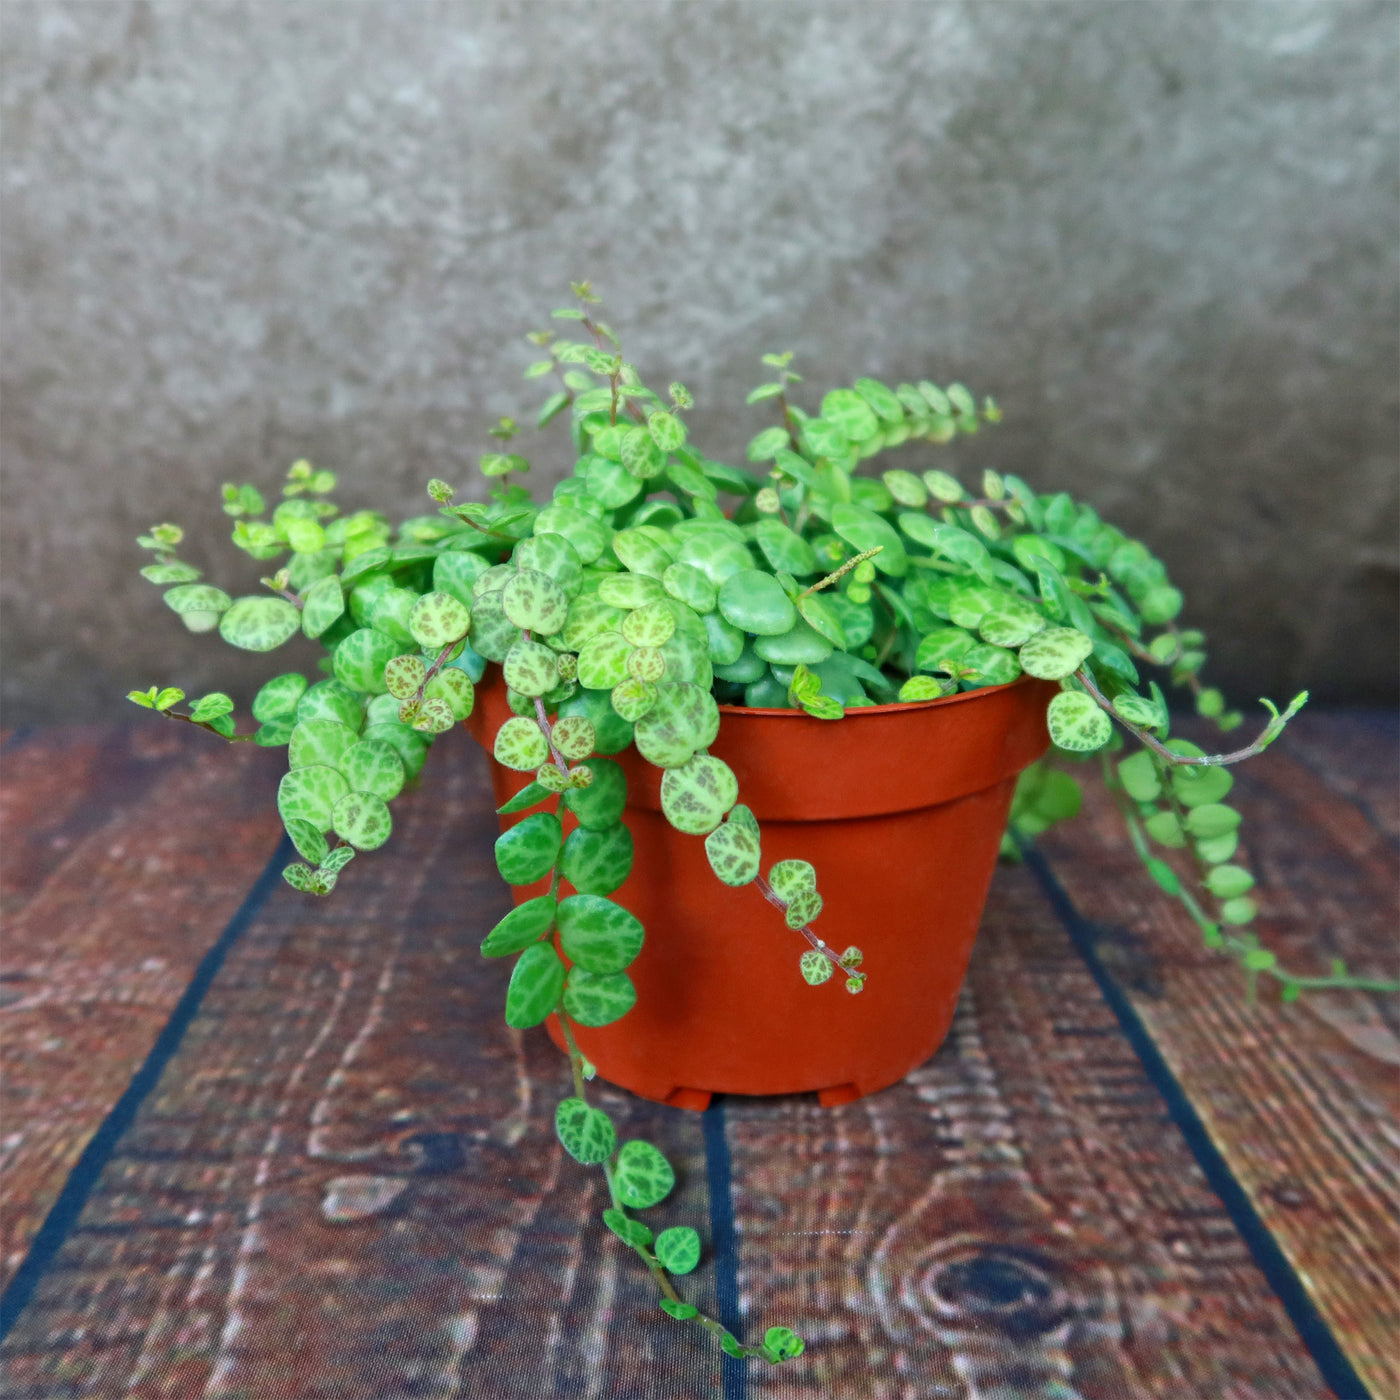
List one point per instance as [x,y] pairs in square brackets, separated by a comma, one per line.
[1020,1212]
[117,882]
[347,1184]
[1303,1101]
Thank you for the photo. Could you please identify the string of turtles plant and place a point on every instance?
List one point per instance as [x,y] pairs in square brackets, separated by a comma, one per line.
[630,606]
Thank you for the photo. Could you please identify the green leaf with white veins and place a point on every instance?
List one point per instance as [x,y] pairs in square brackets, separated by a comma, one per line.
[1055,653]
[535,986]
[598,934]
[696,795]
[586,1132]
[598,998]
[643,1177]
[733,848]
[1077,723]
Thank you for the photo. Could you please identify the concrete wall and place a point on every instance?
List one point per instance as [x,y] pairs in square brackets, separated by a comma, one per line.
[1162,232]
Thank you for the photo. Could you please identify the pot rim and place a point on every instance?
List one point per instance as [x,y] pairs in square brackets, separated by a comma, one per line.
[896,708]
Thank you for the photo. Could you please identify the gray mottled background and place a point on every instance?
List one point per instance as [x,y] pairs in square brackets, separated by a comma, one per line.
[1162,232]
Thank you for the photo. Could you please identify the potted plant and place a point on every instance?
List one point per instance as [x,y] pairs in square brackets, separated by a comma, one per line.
[757,730]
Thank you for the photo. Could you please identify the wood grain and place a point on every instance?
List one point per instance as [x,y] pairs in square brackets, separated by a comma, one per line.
[350,1047]
[1303,1101]
[1019,1217]
[347,1184]
[115,884]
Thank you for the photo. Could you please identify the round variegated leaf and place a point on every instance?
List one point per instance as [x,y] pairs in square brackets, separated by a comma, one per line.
[323,604]
[602,662]
[598,934]
[646,664]
[362,819]
[598,998]
[642,1176]
[803,908]
[259,624]
[405,674]
[520,744]
[330,699]
[924,688]
[551,777]
[597,862]
[633,698]
[989,665]
[792,877]
[438,619]
[696,795]
[667,431]
[649,626]
[603,801]
[527,851]
[523,926]
[1055,653]
[201,598]
[361,657]
[683,720]
[553,556]
[1010,623]
[733,848]
[535,985]
[320,741]
[308,838]
[310,794]
[1144,713]
[630,1232]
[586,1132]
[630,590]
[372,766]
[640,454]
[689,585]
[454,687]
[411,747]
[816,967]
[641,553]
[431,717]
[1076,722]
[279,697]
[492,633]
[531,668]
[533,601]
[456,572]
[574,736]
[678,1249]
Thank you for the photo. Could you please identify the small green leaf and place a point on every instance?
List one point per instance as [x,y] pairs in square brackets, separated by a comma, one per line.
[604,800]
[1165,830]
[733,848]
[528,851]
[642,1176]
[168,698]
[803,909]
[816,967]
[308,839]
[597,862]
[529,796]
[1229,881]
[1138,774]
[362,819]
[629,1231]
[587,1133]
[667,431]
[792,877]
[731,1346]
[1210,820]
[1259,959]
[678,1249]
[145,698]
[521,927]
[535,985]
[311,794]
[598,998]
[682,1312]
[1076,722]
[531,668]
[782,1343]
[1239,911]
[696,795]
[259,624]
[1164,875]
[279,697]
[211,707]
[1055,653]
[598,934]
[521,745]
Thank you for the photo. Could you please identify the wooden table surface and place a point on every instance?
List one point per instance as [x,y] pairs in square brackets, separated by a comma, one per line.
[256,1145]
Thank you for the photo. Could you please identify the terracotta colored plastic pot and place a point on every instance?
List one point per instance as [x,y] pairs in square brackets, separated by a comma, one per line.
[901,809]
